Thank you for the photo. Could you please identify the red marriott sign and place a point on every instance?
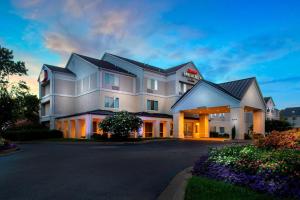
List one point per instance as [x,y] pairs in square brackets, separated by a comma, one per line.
[191,73]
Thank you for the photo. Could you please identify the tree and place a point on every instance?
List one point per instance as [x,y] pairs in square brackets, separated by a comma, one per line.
[121,124]
[15,100]
[9,67]
[277,125]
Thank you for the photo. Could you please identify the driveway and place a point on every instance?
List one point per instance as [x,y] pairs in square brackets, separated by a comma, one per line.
[54,170]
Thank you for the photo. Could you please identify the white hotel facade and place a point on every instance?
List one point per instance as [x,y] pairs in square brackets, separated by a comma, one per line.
[174,102]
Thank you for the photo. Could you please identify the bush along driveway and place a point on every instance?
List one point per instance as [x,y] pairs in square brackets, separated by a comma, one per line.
[272,171]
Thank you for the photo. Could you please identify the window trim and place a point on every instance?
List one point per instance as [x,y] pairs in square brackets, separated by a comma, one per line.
[149,84]
[155,107]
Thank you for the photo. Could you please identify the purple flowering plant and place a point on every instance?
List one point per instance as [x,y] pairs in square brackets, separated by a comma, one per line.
[265,170]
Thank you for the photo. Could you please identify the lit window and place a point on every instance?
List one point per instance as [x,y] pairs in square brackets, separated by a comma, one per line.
[152,84]
[111,79]
[152,105]
[111,102]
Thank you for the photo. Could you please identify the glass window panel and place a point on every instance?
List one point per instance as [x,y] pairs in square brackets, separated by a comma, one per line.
[116,103]
[155,105]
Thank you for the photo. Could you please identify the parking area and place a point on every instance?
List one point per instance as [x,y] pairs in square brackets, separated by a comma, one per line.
[54,170]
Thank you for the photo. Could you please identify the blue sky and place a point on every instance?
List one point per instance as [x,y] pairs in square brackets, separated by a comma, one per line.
[226,39]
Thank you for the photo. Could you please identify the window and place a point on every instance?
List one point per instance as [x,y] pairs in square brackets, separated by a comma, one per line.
[222,130]
[152,105]
[221,115]
[111,102]
[111,79]
[183,87]
[152,84]
[95,127]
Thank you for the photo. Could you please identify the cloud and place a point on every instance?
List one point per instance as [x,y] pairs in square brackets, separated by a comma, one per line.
[61,43]
[130,28]
[292,79]
[244,54]
[136,29]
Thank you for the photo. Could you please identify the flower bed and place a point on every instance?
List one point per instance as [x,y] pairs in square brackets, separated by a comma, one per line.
[276,171]
[5,145]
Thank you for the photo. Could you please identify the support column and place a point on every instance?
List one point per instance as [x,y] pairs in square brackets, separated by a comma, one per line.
[69,129]
[156,127]
[89,126]
[178,123]
[66,128]
[237,117]
[141,130]
[259,121]
[77,129]
[203,125]
[168,129]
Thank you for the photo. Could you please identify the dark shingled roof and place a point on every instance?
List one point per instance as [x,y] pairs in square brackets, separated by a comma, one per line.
[105,65]
[59,69]
[290,112]
[108,112]
[153,68]
[236,89]
[158,115]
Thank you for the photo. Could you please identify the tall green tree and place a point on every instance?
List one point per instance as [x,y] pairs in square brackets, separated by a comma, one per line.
[15,100]
[9,67]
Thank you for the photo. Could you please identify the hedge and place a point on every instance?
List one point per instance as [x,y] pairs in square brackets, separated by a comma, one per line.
[34,134]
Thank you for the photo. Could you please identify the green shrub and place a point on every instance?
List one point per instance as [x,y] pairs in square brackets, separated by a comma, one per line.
[31,134]
[213,134]
[121,124]
[277,125]
[103,136]
[247,136]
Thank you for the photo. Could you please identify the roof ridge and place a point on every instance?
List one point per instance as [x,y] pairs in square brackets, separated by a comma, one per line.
[237,80]
[159,69]
[53,65]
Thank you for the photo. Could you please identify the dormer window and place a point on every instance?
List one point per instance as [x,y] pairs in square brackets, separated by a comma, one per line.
[152,84]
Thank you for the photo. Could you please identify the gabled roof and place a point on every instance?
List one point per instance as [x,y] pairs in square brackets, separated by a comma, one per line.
[266,99]
[59,69]
[290,112]
[235,89]
[151,67]
[104,64]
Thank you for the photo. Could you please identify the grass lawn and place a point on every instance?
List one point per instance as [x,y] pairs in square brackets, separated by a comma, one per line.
[203,188]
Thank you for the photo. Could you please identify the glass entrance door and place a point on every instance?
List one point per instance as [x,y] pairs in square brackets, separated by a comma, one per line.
[188,129]
[148,129]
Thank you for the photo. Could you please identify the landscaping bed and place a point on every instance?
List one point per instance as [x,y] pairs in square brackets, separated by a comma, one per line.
[6,146]
[271,166]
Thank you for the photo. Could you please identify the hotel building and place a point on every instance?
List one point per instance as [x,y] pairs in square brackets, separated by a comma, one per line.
[172,102]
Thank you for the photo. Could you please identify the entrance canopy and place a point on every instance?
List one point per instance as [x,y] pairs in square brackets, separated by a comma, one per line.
[235,97]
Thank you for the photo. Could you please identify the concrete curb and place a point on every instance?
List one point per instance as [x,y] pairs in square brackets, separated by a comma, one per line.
[9,151]
[91,142]
[176,188]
